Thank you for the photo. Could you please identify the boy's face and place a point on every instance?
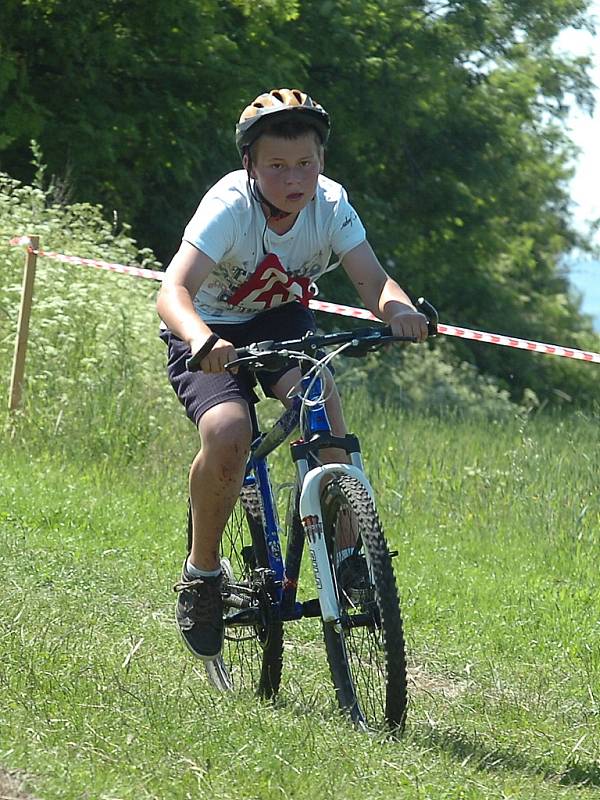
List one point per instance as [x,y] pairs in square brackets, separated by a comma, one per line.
[286,170]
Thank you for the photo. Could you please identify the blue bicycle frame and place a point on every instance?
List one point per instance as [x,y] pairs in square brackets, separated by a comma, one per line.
[316,433]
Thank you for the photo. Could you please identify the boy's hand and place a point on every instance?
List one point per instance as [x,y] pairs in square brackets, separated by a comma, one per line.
[409,323]
[221,353]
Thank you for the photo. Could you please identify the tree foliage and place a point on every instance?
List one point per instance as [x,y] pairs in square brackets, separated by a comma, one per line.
[447,131]
[132,102]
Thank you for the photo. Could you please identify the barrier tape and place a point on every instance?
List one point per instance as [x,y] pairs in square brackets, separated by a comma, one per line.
[334,308]
[466,333]
[138,272]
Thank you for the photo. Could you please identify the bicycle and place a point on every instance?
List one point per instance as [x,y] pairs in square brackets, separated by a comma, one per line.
[333,510]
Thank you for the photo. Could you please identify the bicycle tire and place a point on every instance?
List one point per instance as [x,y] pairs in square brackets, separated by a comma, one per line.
[367,663]
[252,656]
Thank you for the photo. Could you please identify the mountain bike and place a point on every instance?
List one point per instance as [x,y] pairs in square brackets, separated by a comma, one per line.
[334,511]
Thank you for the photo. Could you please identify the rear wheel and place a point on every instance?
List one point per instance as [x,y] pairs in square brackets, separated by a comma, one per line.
[252,650]
[367,656]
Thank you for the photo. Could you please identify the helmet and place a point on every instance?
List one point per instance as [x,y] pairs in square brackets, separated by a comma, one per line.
[255,117]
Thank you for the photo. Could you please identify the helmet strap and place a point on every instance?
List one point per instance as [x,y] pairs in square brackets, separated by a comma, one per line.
[274,212]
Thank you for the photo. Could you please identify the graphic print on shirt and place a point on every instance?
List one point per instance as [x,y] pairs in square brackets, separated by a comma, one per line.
[270,285]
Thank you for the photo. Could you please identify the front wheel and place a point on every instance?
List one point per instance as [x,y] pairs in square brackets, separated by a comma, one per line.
[366,653]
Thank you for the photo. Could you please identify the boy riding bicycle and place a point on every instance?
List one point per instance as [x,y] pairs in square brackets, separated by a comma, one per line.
[257,242]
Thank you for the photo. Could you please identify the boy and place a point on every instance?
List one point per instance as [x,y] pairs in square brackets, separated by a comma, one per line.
[258,240]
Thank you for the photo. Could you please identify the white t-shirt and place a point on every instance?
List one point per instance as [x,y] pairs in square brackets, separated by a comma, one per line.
[228,227]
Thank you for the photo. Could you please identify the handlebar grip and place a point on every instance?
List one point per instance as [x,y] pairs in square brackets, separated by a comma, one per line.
[192,364]
[387,331]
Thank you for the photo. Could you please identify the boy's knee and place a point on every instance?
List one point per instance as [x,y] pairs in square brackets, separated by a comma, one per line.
[227,433]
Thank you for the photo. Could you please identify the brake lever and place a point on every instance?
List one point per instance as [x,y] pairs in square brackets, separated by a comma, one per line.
[241,362]
[425,307]
[268,360]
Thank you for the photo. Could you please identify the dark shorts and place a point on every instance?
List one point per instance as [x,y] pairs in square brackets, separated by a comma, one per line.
[199,391]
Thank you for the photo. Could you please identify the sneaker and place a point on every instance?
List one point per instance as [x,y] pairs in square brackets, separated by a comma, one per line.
[353,579]
[199,614]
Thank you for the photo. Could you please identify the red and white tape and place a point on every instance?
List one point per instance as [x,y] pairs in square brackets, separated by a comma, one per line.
[138,272]
[334,308]
[466,333]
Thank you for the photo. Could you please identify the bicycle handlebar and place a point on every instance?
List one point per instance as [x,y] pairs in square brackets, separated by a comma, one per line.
[270,354]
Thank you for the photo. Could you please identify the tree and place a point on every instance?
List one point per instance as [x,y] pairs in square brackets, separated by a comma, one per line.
[448,133]
[132,102]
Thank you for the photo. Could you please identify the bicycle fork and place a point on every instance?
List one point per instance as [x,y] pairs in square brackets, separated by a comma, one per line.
[311,516]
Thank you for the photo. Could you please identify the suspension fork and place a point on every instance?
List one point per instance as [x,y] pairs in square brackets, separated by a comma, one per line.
[311,515]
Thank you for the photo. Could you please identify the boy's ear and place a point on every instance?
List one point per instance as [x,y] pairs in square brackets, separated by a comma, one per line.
[247,163]
[322,159]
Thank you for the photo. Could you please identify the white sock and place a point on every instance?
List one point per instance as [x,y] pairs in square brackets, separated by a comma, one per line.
[194,572]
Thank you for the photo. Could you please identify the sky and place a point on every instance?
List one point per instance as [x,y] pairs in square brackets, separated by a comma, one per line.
[585,186]
[585,130]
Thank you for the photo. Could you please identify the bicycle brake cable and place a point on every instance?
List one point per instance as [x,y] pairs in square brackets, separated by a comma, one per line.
[319,366]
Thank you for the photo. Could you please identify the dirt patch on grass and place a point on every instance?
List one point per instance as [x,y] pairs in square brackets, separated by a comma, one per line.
[11,787]
[432,683]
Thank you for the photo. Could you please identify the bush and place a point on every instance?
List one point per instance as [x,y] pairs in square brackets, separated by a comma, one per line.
[93,356]
[431,380]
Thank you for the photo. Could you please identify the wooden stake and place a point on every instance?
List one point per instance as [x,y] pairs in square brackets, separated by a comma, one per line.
[18,370]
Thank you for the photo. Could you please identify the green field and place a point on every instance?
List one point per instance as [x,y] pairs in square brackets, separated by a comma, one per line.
[497,528]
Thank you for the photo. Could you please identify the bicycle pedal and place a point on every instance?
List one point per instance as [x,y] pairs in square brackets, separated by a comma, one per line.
[393,553]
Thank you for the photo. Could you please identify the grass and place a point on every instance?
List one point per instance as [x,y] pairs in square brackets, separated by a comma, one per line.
[497,532]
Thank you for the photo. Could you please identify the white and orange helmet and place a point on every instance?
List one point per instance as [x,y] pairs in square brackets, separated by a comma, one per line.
[298,105]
